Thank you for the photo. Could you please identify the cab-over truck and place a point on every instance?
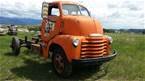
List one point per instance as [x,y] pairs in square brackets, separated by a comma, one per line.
[69,36]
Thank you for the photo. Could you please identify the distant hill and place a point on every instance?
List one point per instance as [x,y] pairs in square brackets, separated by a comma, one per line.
[125,30]
[19,21]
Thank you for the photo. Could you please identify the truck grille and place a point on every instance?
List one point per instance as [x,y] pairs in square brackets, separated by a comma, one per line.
[94,47]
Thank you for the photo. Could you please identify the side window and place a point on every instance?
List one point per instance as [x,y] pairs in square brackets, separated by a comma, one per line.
[55,12]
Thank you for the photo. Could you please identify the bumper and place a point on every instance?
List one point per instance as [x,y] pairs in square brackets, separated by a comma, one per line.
[91,61]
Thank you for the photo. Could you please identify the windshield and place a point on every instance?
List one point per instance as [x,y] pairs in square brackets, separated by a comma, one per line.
[71,9]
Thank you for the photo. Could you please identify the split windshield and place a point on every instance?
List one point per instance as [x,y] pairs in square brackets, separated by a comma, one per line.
[71,9]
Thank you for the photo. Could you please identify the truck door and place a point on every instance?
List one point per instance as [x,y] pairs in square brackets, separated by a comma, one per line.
[52,23]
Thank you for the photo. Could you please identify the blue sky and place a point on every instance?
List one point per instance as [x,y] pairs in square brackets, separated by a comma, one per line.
[112,13]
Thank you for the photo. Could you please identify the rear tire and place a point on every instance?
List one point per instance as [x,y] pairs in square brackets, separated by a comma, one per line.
[60,63]
[15,45]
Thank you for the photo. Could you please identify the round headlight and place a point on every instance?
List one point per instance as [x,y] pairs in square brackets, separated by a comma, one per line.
[75,42]
[110,39]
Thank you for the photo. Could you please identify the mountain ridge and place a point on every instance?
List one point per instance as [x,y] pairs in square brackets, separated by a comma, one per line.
[19,21]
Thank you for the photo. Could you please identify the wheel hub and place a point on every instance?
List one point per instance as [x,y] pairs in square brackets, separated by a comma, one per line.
[59,63]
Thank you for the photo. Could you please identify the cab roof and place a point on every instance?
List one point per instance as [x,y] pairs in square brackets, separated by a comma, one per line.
[65,2]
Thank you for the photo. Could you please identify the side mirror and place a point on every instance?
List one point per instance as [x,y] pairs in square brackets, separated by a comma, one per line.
[44,13]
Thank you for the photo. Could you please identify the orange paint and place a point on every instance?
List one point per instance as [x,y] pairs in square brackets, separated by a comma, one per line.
[68,27]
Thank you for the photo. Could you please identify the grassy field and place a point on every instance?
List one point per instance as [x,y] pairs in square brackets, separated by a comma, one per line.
[129,65]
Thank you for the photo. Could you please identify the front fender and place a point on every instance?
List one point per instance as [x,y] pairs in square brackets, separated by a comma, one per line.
[65,41]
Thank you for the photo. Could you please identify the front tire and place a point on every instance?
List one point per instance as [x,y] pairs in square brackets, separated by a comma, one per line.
[60,63]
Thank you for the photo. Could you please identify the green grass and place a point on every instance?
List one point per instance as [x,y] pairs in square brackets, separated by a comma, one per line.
[129,65]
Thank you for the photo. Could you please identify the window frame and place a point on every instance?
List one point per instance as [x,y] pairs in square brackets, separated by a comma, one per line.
[78,8]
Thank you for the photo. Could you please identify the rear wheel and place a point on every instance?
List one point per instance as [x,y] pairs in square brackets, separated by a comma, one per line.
[60,63]
[15,45]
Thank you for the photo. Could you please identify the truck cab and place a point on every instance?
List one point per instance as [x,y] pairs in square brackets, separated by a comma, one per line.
[70,36]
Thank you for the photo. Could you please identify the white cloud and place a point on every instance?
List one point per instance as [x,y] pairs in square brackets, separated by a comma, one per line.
[119,13]
[112,13]
[17,8]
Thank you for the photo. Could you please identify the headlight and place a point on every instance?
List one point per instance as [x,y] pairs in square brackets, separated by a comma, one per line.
[75,42]
[110,39]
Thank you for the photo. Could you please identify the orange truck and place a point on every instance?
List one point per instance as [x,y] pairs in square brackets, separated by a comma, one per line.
[69,36]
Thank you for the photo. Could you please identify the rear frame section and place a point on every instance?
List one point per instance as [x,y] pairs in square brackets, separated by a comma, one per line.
[33,44]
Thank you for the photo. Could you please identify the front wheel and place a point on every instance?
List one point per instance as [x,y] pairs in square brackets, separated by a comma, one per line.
[60,63]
